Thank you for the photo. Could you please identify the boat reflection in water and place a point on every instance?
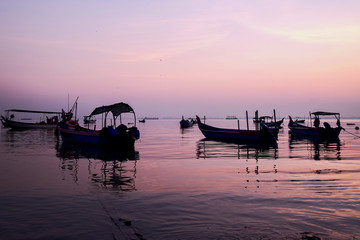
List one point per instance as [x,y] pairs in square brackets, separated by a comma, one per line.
[315,148]
[245,161]
[215,149]
[105,167]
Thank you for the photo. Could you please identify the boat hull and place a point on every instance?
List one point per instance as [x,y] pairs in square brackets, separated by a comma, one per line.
[81,136]
[274,124]
[106,136]
[23,125]
[314,132]
[185,124]
[319,132]
[264,135]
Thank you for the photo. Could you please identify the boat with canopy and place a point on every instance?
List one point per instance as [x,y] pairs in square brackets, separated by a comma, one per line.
[110,135]
[325,132]
[186,123]
[47,120]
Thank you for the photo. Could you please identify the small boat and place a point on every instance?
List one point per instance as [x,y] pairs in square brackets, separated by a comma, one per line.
[119,137]
[326,132]
[186,123]
[350,124]
[230,117]
[300,120]
[265,134]
[48,120]
[142,120]
[151,118]
[89,120]
[267,120]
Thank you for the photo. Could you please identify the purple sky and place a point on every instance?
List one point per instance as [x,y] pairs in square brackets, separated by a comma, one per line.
[174,58]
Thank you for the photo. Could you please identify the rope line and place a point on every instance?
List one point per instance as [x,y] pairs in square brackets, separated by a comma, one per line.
[351,133]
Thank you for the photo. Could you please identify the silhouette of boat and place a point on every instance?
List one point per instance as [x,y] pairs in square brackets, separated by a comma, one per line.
[264,134]
[326,132]
[89,120]
[119,137]
[49,120]
[186,123]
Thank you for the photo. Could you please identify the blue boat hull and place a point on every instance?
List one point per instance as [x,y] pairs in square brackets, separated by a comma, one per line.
[106,136]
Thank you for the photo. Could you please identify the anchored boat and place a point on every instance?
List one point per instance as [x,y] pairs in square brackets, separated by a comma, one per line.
[326,132]
[264,134]
[110,135]
[48,120]
[186,123]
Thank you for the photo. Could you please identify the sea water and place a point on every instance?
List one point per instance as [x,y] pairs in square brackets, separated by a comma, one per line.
[179,185]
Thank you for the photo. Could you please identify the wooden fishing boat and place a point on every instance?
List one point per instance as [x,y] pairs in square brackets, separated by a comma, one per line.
[300,120]
[326,132]
[265,134]
[48,120]
[267,120]
[119,137]
[89,120]
[186,123]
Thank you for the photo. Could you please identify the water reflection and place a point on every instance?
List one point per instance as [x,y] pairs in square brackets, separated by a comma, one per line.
[314,148]
[106,167]
[215,149]
[28,137]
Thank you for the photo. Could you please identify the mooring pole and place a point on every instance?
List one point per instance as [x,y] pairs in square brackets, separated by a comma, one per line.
[274,116]
[247,120]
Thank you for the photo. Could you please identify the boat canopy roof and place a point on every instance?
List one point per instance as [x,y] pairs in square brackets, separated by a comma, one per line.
[116,109]
[31,111]
[319,113]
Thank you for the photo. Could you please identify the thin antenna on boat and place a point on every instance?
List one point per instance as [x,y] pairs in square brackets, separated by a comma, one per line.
[68,104]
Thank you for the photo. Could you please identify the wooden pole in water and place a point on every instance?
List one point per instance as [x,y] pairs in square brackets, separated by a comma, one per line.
[238,125]
[274,116]
[247,120]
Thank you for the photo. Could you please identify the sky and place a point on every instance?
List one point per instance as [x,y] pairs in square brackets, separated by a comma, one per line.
[175,58]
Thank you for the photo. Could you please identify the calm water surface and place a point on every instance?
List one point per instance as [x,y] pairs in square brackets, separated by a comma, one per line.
[180,186]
